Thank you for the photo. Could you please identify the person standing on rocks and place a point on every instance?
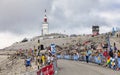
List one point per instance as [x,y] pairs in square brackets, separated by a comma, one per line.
[28,63]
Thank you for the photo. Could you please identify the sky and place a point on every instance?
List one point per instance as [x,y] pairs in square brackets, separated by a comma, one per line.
[23,18]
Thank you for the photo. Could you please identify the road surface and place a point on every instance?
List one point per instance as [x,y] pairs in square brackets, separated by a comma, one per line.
[68,67]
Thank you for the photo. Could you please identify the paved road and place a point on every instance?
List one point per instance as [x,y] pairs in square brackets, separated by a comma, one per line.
[68,67]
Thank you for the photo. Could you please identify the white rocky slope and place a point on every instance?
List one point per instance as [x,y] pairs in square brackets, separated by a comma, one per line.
[46,42]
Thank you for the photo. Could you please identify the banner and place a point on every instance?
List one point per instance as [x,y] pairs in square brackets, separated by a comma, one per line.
[75,57]
[47,70]
[39,72]
[109,45]
[59,56]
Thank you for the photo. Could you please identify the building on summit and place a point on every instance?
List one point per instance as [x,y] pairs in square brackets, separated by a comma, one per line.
[95,30]
[45,27]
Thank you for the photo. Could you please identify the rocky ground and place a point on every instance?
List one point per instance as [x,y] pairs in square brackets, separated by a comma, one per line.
[14,66]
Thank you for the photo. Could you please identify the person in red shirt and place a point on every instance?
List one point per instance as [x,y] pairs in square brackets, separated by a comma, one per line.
[105,53]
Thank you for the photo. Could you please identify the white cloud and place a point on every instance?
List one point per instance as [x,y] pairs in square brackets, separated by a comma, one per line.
[7,39]
[110,16]
[104,29]
[24,17]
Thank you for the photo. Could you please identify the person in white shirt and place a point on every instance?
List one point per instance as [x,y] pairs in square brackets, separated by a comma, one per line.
[48,59]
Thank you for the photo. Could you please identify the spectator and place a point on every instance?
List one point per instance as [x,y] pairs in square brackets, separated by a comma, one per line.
[48,59]
[43,59]
[38,61]
[111,53]
[118,53]
[87,56]
[27,63]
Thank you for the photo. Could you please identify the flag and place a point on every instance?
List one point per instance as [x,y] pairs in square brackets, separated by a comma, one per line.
[53,49]
[108,41]
[108,60]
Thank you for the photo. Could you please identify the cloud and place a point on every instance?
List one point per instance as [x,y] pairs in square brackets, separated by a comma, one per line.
[25,17]
[20,16]
[7,39]
[80,14]
[76,14]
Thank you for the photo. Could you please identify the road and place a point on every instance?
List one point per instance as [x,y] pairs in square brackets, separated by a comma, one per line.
[68,67]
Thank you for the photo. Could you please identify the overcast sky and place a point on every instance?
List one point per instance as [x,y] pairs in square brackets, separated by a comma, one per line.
[23,18]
